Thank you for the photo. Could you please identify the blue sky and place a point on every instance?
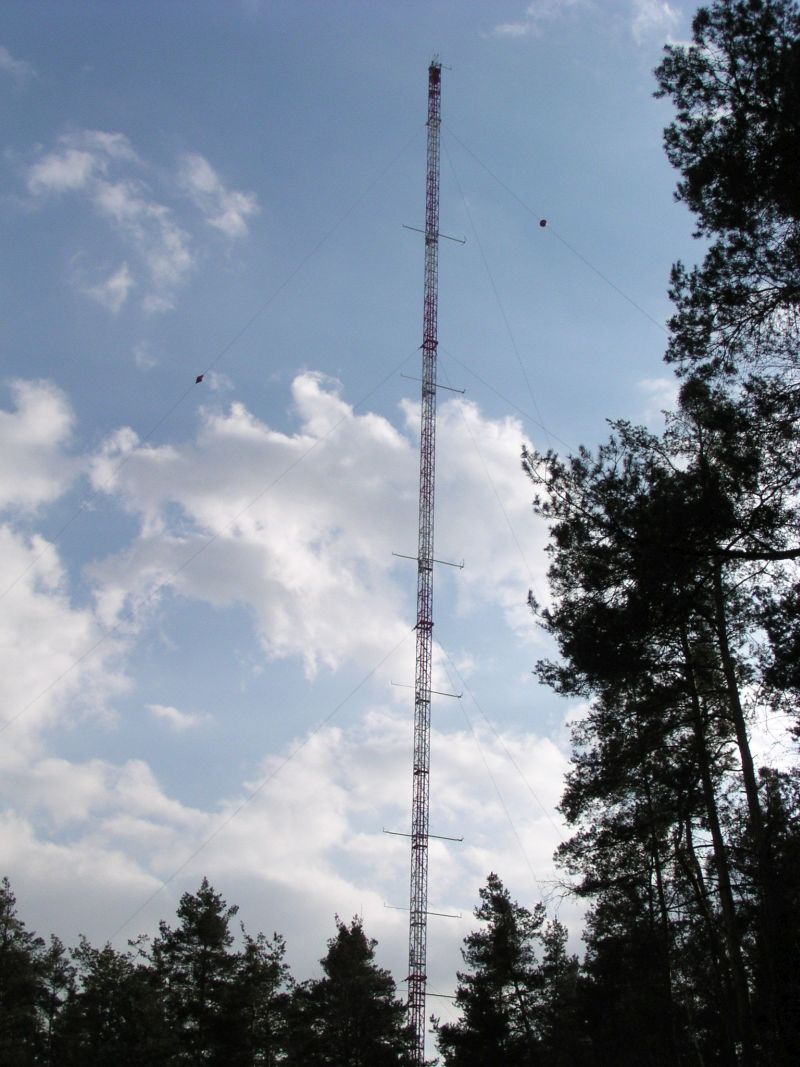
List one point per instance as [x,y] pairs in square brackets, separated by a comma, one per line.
[196,580]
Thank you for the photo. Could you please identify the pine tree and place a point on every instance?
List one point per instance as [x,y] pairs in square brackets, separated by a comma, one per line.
[736,141]
[497,994]
[257,1004]
[661,550]
[56,988]
[20,989]
[194,968]
[114,1017]
[350,1017]
[560,1015]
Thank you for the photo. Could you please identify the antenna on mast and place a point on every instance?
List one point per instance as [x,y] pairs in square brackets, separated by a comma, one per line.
[420,803]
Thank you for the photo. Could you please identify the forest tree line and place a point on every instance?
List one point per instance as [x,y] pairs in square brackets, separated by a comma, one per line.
[199,992]
[675,609]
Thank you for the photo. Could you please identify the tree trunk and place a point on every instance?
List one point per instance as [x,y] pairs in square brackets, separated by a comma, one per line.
[733,941]
[768,928]
[666,928]
[737,713]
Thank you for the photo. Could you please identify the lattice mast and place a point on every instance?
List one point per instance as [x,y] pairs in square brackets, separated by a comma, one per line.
[418,923]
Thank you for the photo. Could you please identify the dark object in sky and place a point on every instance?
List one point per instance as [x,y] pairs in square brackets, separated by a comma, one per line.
[199,379]
[543,223]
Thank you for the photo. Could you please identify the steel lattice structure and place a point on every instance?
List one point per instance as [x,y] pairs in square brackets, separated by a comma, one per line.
[418,921]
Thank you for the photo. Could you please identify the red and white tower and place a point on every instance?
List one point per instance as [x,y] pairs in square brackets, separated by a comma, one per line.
[418,922]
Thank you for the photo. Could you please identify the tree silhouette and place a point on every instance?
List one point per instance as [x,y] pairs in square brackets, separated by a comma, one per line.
[350,1017]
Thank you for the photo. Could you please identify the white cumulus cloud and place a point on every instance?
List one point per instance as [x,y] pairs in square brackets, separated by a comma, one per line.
[177,720]
[80,156]
[660,395]
[132,198]
[653,18]
[150,229]
[300,528]
[19,70]
[143,356]
[33,466]
[113,291]
[536,17]
[226,209]
[57,663]
[647,19]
